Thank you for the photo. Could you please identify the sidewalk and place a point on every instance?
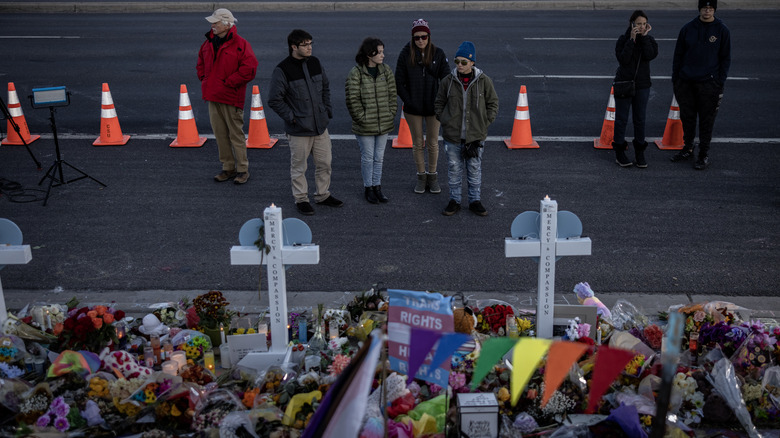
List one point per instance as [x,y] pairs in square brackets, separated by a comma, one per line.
[121,6]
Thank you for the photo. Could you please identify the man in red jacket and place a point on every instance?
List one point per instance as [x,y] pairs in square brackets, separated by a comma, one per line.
[226,64]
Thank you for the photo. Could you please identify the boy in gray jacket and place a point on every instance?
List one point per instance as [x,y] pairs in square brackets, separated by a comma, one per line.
[466,105]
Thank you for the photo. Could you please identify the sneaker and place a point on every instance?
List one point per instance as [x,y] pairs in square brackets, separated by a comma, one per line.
[225,175]
[477,208]
[331,202]
[241,178]
[683,155]
[451,208]
[304,208]
[702,163]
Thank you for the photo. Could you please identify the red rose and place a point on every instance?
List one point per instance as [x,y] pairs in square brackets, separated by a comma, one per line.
[80,331]
[119,314]
[69,324]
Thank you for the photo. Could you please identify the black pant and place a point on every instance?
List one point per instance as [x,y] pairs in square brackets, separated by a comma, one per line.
[702,100]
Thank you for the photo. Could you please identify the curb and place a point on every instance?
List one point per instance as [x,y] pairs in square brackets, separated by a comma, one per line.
[347,6]
[136,303]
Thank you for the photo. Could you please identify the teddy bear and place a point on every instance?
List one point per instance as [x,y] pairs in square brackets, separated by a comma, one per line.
[586,297]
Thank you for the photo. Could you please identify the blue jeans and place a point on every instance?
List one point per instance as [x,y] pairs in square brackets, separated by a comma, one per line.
[455,166]
[638,113]
[372,155]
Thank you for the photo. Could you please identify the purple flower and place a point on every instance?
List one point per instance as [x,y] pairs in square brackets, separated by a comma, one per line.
[43,420]
[60,409]
[457,380]
[61,424]
[92,414]
[699,316]
[434,388]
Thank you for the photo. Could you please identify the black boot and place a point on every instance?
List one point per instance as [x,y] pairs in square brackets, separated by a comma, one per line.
[378,193]
[370,196]
[620,154]
[639,150]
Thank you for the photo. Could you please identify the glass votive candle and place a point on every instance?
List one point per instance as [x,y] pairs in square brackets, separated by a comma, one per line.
[208,360]
[170,367]
[180,358]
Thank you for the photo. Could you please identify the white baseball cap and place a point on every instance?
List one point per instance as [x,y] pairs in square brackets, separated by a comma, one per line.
[221,14]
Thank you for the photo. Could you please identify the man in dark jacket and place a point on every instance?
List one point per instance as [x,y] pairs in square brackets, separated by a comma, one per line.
[300,95]
[701,62]
[226,63]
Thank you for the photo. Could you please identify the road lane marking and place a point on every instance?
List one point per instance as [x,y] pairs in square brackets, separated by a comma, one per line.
[38,37]
[492,138]
[730,78]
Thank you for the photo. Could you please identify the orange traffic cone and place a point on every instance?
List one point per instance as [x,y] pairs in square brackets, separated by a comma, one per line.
[15,109]
[673,134]
[608,129]
[404,139]
[110,132]
[521,131]
[187,136]
[258,128]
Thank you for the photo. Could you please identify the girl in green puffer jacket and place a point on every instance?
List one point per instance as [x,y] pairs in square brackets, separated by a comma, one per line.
[371,101]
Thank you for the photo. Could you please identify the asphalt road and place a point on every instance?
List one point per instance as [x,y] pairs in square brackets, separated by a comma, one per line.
[163,224]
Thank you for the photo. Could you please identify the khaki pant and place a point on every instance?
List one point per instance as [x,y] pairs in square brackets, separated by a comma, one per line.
[319,147]
[227,122]
[431,139]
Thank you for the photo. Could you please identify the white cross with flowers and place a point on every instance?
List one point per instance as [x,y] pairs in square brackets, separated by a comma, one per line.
[278,256]
[11,255]
[547,246]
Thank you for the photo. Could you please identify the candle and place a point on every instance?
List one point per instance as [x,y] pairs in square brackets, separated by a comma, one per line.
[208,360]
[37,315]
[180,358]
[48,319]
[333,329]
[170,367]
[546,198]
[221,334]
[302,335]
[120,331]
[155,341]
[167,350]
[149,357]
[224,356]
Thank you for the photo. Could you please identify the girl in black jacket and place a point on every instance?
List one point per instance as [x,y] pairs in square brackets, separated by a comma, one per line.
[634,51]
[420,68]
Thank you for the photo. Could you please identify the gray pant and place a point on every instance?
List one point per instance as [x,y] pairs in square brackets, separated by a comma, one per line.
[319,147]
[227,122]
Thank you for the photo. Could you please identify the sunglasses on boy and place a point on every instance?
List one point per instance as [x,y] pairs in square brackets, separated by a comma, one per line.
[463,62]
[420,38]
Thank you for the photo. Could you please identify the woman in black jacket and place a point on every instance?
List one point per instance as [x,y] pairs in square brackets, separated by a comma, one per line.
[420,68]
[634,51]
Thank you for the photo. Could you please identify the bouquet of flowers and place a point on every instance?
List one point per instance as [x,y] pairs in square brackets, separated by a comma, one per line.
[209,310]
[89,328]
[491,318]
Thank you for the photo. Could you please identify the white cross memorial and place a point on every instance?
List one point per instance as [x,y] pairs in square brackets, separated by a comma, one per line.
[12,252]
[548,245]
[278,256]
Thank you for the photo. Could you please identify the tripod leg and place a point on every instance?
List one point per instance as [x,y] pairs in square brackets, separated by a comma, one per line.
[84,174]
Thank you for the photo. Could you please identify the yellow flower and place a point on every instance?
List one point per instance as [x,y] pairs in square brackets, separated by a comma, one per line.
[523,324]
[175,411]
[503,394]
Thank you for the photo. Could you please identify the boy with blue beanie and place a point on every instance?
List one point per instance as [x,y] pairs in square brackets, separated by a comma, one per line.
[466,105]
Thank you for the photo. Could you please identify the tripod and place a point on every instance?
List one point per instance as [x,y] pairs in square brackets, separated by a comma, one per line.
[56,167]
[7,115]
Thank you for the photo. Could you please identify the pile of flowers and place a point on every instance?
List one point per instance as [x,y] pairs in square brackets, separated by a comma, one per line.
[97,399]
